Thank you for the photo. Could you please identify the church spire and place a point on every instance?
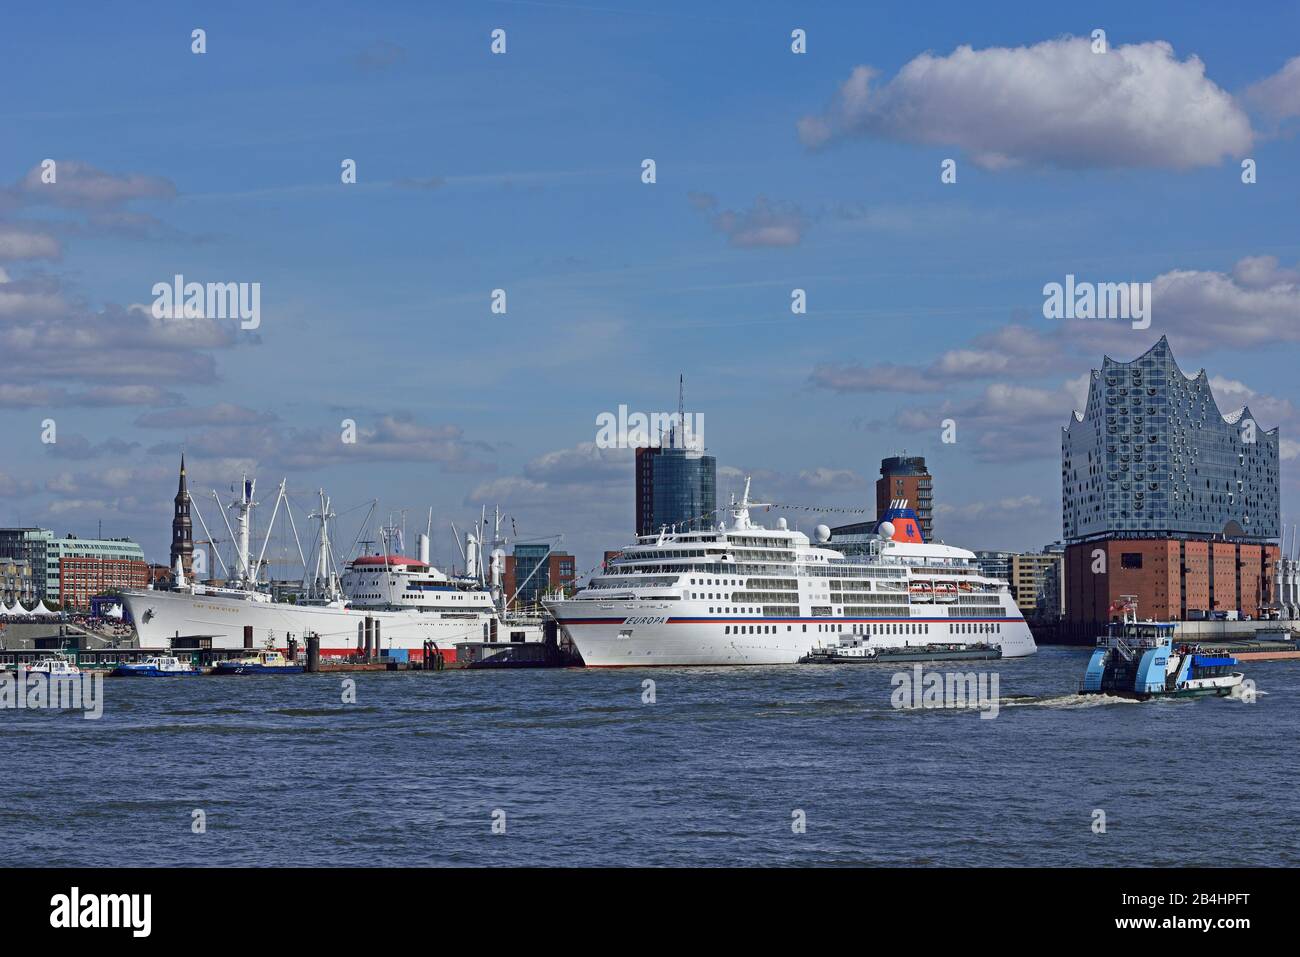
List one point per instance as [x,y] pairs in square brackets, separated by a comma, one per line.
[182,550]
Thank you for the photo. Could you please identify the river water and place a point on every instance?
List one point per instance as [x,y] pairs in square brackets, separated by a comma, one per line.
[799,765]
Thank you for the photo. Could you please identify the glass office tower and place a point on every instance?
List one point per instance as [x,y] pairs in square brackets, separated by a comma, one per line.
[680,486]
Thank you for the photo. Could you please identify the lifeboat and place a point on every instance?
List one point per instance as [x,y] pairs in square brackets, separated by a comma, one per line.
[945,591]
[921,591]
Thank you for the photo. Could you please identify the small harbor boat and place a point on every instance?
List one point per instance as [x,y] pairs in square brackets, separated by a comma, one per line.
[155,666]
[1138,659]
[849,650]
[56,666]
[259,663]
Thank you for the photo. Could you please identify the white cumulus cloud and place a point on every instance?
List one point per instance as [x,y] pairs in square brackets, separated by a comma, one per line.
[1279,94]
[1055,103]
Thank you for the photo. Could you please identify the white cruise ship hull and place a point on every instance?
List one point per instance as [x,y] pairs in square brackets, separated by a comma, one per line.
[749,595]
[631,635]
[160,616]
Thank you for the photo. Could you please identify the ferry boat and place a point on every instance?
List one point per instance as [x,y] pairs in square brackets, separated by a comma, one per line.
[749,595]
[261,663]
[155,666]
[406,600]
[1138,659]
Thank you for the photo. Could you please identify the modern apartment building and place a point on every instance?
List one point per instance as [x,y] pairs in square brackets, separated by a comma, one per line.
[1033,575]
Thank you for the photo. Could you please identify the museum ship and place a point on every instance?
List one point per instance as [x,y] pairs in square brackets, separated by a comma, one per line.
[408,605]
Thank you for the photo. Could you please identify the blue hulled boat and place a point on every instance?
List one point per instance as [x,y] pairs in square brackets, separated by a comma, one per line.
[156,666]
[1138,659]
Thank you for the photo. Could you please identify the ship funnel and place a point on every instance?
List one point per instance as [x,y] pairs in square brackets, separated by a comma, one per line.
[423,541]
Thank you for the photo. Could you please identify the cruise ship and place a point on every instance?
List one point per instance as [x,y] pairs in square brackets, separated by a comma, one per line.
[407,600]
[749,595]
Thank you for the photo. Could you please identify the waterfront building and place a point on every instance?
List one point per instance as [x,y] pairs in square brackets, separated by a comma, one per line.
[1030,573]
[534,570]
[1166,497]
[81,578]
[16,584]
[906,477]
[27,545]
[1051,595]
[994,564]
[45,554]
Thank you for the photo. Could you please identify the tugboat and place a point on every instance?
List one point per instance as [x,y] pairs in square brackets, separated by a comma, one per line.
[259,663]
[1137,659]
[155,666]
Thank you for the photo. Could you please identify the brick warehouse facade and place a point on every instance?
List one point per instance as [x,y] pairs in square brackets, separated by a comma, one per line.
[1173,579]
[81,578]
[1166,498]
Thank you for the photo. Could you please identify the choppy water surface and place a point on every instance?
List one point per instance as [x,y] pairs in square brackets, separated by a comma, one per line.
[709,774]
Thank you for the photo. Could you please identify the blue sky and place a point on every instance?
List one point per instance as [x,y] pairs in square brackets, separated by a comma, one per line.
[523,172]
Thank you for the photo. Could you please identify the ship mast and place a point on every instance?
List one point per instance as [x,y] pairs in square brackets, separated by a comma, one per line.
[740,510]
[325,584]
[243,507]
[248,570]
